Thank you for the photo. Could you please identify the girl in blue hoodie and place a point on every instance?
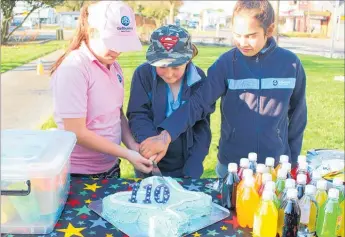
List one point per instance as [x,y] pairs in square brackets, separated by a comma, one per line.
[159,87]
[262,90]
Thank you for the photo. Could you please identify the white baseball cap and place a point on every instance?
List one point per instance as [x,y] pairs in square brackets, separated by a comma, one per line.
[115,22]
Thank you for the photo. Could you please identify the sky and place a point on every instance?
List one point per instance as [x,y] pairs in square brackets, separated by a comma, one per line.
[197,6]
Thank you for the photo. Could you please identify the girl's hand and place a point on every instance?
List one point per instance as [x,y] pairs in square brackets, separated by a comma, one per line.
[140,163]
[157,145]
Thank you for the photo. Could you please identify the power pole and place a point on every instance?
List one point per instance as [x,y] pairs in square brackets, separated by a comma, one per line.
[334,27]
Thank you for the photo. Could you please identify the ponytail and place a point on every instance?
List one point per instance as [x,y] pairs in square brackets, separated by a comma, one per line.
[81,35]
[195,51]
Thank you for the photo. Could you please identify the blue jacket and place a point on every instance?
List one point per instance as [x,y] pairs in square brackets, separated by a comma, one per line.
[147,109]
[263,104]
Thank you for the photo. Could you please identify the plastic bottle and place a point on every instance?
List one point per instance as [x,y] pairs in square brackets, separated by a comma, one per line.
[327,219]
[229,187]
[289,184]
[301,158]
[282,159]
[301,183]
[338,184]
[309,211]
[246,173]
[247,203]
[266,217]
[270,167]
[281,178]
[265,178]
[244,164]
[315,177]
[287,167]
[289,215]
[303,169]
[321,193]
[252,157]
[260,170]
[271,186]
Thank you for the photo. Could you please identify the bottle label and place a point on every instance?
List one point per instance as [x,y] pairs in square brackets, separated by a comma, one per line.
[305,212]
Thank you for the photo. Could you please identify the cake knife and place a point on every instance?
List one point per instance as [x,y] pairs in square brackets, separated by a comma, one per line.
[156,171]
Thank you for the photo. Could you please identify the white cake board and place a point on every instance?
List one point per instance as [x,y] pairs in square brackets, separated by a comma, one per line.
[218,213]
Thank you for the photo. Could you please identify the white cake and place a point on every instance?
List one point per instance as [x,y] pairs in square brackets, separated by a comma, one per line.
[160,219]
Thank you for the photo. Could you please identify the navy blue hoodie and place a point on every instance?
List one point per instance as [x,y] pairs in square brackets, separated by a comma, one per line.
[147,109]
[263,104]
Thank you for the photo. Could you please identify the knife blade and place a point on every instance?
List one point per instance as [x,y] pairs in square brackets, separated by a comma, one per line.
[156,171]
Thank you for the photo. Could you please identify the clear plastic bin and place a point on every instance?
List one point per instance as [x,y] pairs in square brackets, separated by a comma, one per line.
[34,179]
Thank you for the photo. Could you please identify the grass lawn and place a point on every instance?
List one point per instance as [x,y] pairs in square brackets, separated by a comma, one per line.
[325,98]
[16,55]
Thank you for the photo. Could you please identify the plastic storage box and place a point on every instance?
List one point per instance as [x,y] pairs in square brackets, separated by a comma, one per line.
[34,179]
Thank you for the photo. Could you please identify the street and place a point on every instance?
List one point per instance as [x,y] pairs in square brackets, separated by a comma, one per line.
[313,46]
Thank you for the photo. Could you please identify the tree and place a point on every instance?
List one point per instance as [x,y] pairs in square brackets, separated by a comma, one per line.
[173,7]
[75,5]
[7,7]
[157,11]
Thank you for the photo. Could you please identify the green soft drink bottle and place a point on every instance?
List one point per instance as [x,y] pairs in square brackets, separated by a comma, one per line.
[328,215]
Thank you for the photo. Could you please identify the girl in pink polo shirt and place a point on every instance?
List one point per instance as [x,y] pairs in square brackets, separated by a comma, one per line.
[88,91]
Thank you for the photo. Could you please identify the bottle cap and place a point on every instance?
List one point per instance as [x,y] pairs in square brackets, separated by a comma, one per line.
[301,158]
[283,159]
[301,179]
[232,167]
[247,172]
[269,161]
[290,183]
[244,162]
[252,156]
[261,168]
[303,166]
[316,175]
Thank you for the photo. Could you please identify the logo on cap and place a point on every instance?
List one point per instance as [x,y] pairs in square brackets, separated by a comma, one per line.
[125,20]
[168,42]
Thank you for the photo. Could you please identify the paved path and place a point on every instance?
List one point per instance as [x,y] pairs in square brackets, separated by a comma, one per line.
[26,101]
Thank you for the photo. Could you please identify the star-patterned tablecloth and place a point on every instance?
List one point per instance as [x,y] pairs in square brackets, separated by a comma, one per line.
[78,220]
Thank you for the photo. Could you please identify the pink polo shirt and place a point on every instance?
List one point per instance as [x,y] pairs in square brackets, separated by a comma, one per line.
[84,88]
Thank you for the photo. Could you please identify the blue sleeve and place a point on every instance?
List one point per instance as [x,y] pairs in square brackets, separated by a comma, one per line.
[297,113]
[197,153]
[200,104]
[201,143]
[139,114]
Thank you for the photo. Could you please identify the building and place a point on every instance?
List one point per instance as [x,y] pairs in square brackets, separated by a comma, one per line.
[68,19]
[46,15]
[210,19]
[307,16]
